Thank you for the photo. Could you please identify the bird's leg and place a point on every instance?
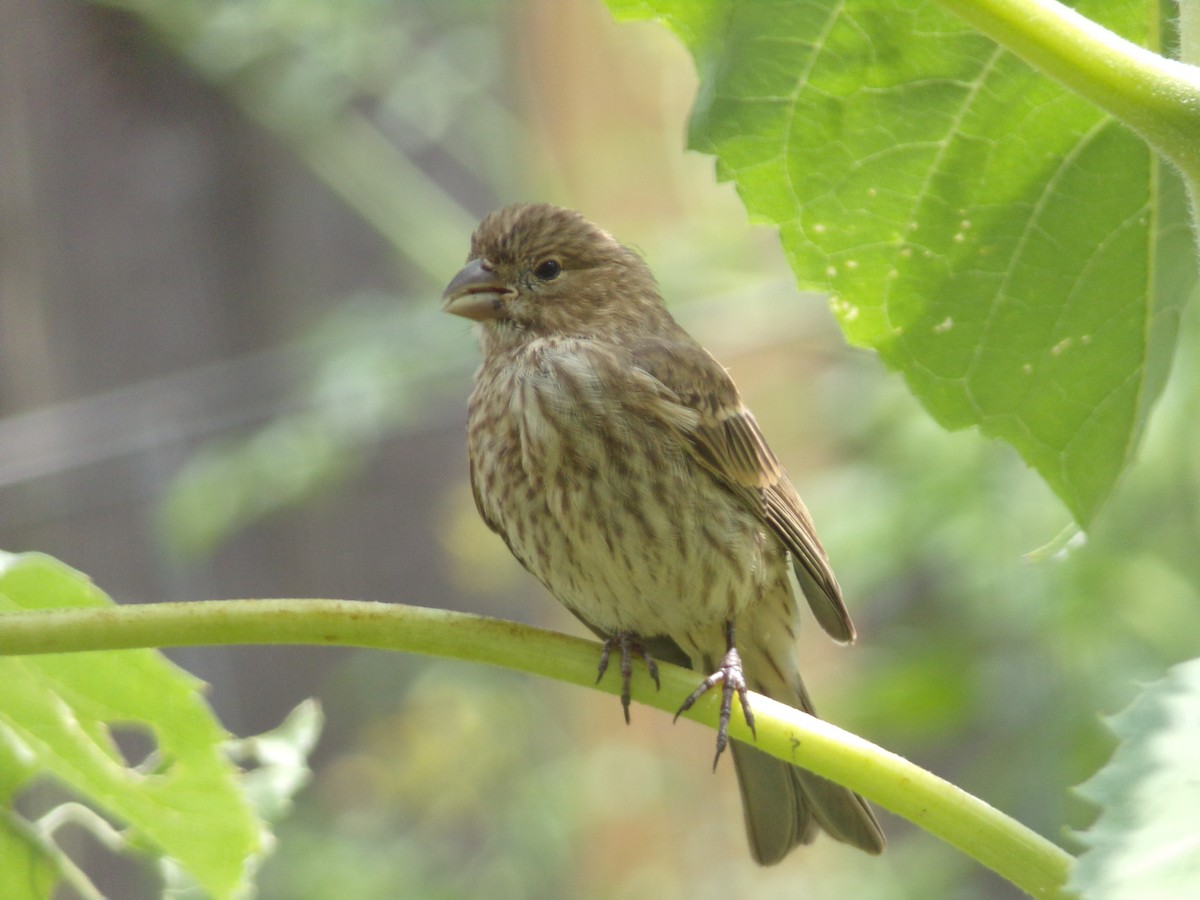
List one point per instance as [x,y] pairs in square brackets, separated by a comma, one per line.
[628,644]
[732,680]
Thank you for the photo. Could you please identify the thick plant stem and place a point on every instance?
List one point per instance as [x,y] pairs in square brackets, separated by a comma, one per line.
[1026,859]
[1157,97]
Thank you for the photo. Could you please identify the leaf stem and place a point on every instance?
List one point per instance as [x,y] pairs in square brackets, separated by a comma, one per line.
[1157,97]
[1026,859]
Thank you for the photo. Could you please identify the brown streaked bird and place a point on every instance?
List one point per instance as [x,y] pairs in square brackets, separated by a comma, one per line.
[616,459]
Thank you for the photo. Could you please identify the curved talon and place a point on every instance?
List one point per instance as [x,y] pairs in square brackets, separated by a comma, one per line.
[628,644]
[732,679]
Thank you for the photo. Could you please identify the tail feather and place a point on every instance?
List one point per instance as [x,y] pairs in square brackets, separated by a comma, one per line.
[773,806]
[785,805]
[843,814]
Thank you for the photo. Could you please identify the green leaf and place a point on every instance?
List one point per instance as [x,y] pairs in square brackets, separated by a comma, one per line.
[278,760]
[997,240]
[59,712]
[1145,845]
[29,869]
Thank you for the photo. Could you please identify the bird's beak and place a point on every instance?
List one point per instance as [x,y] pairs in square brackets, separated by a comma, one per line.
[476,293]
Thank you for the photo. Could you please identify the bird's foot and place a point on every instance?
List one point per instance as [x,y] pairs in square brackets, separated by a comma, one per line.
[732,680]
[628,644]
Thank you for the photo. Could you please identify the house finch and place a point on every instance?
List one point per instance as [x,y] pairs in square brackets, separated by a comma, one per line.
[616,459]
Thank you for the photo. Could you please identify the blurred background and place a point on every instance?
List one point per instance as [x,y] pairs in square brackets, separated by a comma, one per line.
[224,231]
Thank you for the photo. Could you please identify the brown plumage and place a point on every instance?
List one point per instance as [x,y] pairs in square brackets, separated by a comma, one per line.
[616,459]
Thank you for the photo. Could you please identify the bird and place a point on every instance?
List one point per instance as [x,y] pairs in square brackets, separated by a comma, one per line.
[615,457]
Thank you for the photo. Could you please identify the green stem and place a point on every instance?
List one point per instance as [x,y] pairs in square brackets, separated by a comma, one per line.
[1026,859]
[1157,97]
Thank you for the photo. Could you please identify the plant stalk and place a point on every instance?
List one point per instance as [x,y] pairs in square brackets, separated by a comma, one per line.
[1028,860]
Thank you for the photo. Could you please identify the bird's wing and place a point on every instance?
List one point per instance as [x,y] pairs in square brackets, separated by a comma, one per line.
[727,441]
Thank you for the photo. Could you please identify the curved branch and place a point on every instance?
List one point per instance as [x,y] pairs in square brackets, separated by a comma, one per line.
[982,832]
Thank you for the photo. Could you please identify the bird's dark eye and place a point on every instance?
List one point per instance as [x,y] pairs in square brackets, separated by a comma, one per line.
[548,270]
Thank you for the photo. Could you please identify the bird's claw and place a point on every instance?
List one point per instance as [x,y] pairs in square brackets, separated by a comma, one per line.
[628,644]
[732,680]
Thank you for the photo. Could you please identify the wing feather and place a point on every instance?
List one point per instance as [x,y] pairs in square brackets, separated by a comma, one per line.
[727,441]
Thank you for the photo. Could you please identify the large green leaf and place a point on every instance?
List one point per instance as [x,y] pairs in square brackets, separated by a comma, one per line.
[57,715]
[1146,843]
[996,239]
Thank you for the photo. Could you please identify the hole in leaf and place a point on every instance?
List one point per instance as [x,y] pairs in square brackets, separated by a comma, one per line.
[137,746]
[96,847]
[84,840]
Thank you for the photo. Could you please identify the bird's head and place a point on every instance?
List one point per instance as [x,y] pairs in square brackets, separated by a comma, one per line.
[537,270]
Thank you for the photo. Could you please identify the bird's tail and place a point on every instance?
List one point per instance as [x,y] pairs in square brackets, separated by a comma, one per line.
[785,805]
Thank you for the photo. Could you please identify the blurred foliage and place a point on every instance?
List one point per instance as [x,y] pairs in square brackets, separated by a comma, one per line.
[987,650]
[460,793]
[1143,846]
[350,87]
[367,369]
[365,93]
